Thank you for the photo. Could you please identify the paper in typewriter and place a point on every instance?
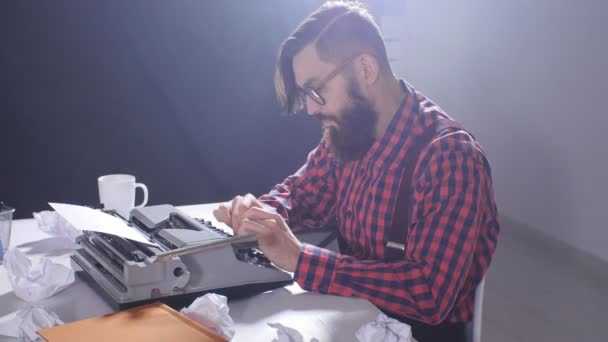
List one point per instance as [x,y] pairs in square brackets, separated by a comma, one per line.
[151,323]
[84,218]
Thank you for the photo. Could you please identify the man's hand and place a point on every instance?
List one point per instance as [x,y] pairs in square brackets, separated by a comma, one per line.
[231,213]
[275,239]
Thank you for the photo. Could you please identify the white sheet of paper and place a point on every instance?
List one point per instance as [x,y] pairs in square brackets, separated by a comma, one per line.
[85,218]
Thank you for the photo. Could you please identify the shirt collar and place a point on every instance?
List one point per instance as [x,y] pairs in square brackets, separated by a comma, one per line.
[399,128]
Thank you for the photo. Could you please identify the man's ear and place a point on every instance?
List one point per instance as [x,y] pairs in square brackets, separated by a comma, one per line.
[370,70]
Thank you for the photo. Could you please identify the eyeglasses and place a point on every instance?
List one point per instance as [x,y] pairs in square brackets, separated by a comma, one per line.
[313,93]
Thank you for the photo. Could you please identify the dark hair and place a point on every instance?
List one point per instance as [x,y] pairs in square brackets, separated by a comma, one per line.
[339,29]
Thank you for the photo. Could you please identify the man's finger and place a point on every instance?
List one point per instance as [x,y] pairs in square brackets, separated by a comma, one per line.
[240,205]
[251,200]
[257,214]
[235,213]
[222,214]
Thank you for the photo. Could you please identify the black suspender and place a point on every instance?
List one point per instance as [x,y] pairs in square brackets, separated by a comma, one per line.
[395,247]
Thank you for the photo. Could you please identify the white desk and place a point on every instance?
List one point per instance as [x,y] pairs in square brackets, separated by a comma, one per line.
[325,317]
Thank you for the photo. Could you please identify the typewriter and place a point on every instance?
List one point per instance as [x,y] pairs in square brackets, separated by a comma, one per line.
[188,258]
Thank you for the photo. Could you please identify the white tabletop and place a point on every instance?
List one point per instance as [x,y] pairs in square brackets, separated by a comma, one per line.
[324,317]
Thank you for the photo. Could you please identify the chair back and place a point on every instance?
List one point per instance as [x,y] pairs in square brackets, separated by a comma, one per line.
[476,333]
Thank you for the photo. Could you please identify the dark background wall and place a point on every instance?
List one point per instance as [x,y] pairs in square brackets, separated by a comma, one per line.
[177,93]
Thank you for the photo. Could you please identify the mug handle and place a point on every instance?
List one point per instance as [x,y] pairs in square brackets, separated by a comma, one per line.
[144,188]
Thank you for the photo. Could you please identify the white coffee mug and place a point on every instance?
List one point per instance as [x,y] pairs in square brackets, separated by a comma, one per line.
[117,192]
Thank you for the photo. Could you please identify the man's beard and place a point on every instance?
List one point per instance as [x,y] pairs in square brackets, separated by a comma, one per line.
[354,133]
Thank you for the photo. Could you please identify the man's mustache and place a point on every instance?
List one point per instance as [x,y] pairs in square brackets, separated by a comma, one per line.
[325,117]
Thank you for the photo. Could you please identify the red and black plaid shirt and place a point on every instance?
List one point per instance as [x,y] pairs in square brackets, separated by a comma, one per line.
[454,221]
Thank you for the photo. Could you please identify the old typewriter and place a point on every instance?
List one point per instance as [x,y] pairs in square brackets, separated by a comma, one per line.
[188,257]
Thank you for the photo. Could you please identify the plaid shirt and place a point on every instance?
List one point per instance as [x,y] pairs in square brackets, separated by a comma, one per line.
[454,221]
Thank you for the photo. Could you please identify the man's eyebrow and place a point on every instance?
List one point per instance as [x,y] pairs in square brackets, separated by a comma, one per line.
[309,82]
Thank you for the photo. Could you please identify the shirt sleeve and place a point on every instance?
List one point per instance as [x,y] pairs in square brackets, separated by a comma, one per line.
[310,193]
[439,246]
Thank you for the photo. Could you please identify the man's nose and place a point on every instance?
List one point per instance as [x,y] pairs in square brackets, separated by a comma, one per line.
[312,107]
